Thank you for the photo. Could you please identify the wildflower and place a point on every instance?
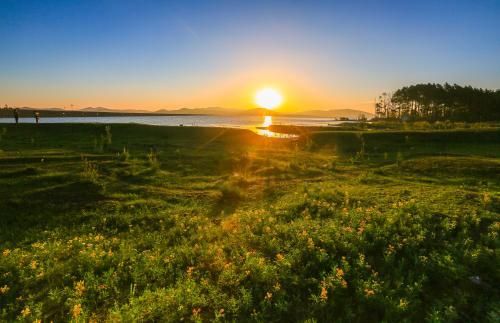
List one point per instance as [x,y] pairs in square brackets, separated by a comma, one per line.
[280,257]
[277,286]
[268,296]
[6,252]
[339,273]
[324,294]
[80,288]
[33,264]
[403,303]
[189,271]
[38,245]
[76,311]
[5,289]
[369,292]
[486,198]
[26,311]
[196,311]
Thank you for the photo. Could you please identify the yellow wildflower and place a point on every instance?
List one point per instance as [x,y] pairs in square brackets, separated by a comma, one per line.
[77,310]
[6,252]
[26,311]
[268,296]
[196,311]
[280,257]
[403,303]
[80,288]
[369,292]
[33,264]
[324,294]
[5,289]
[189,271]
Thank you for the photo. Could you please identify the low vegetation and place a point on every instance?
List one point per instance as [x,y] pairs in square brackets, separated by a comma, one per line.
[196,224]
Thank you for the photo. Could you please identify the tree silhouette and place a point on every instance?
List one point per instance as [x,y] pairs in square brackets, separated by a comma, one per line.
[435,102]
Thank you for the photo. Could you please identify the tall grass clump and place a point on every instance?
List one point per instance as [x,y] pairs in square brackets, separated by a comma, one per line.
[152,158]
[2,133]
[104,140]
[107,135]
[89,171]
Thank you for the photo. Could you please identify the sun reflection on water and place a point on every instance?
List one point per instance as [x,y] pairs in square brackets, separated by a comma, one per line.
[263,129]
[268,120]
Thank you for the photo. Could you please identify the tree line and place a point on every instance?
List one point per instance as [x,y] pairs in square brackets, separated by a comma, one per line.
[436,102]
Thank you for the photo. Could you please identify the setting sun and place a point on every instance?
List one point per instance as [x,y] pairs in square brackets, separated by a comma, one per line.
[268,98]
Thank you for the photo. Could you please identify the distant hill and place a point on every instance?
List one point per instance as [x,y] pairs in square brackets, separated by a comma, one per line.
[335,113]
[102,109]
[41,109]
[218,111]
[209,111]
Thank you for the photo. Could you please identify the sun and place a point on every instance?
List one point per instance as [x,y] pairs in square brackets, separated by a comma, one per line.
[268,98]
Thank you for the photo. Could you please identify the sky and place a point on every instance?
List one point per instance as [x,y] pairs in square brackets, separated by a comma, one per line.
[152,54]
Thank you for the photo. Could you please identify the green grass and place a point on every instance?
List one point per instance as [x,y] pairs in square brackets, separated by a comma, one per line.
[144,223]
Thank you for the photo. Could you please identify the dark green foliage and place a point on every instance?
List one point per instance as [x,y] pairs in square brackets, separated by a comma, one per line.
[440,102]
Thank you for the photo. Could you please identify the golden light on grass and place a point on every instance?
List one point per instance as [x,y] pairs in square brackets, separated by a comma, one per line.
[268,98]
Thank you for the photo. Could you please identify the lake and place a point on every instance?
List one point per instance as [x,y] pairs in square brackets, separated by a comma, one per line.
[245,122]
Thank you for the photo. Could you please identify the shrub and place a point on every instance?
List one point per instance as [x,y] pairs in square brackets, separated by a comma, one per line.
[124,155]
[230,192]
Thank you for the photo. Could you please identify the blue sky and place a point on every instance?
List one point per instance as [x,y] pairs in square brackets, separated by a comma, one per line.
[169,54]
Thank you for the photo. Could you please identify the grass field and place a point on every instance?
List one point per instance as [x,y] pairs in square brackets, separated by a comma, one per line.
[142,223]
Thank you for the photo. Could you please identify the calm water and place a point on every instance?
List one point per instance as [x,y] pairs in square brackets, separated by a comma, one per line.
[246,122]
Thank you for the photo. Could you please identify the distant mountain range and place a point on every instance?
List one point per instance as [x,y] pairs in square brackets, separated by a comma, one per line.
[209,111]
[218,111]
[332,113]
[101,109]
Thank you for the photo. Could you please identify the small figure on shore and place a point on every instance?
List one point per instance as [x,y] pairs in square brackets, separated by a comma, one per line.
[37,117]
[16,115]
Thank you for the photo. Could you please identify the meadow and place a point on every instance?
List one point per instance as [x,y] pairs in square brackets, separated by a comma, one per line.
[135,223]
